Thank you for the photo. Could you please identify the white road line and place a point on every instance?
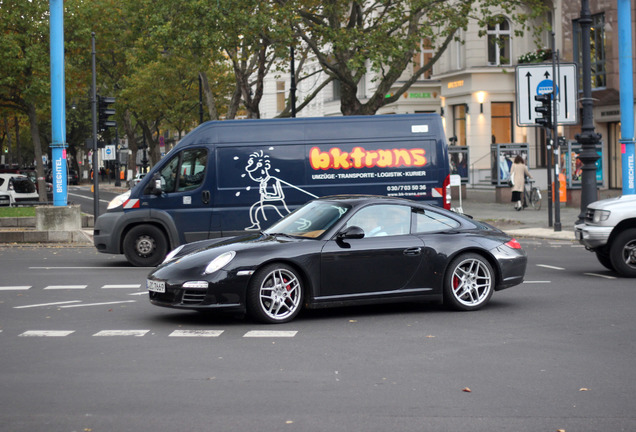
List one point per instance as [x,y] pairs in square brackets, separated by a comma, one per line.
[139,293]
[536,282]
[99,304]
[137,333]
[550,267]
[86,268]
[14,288]
[135,286]
[196,333]
[269,333]
[46,333]
[63,287]
[47,304]
[86,198]
[599,275]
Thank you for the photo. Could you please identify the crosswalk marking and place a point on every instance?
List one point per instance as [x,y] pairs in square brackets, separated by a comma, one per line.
[46,333]
[137,333]
[196,333]
[63,287]
[269,333]
[47,304]
[15,288]
[98,304]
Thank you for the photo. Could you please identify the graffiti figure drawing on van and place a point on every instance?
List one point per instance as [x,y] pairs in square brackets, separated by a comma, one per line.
[270,189]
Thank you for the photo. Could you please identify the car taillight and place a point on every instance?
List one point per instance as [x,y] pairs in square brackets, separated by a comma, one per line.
[513,244]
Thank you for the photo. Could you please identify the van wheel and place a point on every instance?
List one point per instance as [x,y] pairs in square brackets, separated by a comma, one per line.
[603,257]
[623,253]
[145,246]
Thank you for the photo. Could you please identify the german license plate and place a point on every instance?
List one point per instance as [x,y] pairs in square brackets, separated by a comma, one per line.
[156,286]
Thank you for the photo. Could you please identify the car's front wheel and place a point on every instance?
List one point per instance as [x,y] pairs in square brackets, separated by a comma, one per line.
[623,253]
[469,282]
[145,246]
[275,294]
[603,257]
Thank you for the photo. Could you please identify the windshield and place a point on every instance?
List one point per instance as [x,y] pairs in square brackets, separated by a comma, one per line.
[310,220]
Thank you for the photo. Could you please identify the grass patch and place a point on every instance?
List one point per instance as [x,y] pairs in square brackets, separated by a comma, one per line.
[17,211]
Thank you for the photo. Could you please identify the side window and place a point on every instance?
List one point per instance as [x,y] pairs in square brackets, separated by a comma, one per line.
[192,170]
[429,221]
[383,220]
[169,174]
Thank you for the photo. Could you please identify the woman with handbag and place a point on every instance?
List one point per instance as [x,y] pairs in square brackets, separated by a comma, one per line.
[518,173]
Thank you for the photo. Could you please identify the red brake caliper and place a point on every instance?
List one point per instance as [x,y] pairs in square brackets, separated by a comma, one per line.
[287,286]
[455,282]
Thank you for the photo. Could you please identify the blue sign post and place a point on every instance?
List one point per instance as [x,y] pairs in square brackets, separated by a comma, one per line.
[626,95]
[58,103]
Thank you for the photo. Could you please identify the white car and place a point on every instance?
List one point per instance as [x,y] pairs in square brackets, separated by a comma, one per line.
[609,230]
[134,182]
[18,187]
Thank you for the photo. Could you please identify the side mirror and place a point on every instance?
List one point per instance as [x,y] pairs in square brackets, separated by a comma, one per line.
[157,189]
[352,232]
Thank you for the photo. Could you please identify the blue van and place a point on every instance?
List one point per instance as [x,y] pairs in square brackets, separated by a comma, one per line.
[228,177]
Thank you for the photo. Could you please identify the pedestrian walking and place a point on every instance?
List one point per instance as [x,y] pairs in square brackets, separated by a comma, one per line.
[518,173]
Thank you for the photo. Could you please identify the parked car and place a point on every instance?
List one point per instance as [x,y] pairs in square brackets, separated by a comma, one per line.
[73,177]
[135,181]
[609,230]
[19,188]
[343,250]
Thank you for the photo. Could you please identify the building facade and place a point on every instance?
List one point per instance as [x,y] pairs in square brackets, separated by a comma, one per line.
[473,87]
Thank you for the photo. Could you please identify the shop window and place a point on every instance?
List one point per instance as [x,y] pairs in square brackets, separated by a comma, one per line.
[501,121]
[459,123]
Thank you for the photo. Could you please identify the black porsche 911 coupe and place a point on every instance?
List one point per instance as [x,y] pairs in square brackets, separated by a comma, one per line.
[343,250]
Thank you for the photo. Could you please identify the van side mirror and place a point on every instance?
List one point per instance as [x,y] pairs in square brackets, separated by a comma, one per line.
[352,232]
[157,189]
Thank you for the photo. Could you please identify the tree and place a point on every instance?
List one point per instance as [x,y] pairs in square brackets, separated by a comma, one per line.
[350,38]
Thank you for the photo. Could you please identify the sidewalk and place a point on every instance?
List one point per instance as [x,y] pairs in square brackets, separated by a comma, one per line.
[481,205]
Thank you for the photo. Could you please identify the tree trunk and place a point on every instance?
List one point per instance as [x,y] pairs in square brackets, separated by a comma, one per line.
[209,96]
[37,147]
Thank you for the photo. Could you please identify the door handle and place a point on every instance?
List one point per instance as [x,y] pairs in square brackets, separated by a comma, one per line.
[413,251]
[205,197]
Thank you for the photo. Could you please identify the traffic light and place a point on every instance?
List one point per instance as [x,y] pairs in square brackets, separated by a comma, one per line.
[105,111]
[545,110]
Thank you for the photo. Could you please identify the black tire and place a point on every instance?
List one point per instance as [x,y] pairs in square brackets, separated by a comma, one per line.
[603,257]
[469,282]
[623,253]
[535,200]
[275,294]
[145,246]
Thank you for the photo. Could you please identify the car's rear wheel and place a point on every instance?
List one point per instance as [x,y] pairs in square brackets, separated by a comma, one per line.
[623,253]
[469,282]
[275,294]
[145,246]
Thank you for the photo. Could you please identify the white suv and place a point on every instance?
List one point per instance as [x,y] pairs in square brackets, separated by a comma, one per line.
[609,230]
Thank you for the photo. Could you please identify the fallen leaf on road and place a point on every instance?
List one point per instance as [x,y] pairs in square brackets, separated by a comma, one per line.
[466,390]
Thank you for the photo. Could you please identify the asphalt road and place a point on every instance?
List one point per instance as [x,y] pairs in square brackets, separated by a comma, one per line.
[83,350]
[83,196]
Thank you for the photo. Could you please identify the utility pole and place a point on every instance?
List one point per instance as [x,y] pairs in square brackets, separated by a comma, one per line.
[587,138]
[94,115]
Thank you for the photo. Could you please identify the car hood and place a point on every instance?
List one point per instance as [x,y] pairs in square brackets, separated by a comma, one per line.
[196,260]
[612,203]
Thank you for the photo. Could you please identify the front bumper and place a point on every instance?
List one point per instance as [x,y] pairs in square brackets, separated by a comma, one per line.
[591,236]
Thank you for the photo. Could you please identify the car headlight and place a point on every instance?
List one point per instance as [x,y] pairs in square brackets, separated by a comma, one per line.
[219,262]
[172,254]
[601,215]
[118,200]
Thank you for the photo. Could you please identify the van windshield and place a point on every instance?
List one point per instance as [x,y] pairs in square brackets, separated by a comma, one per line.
[310,220]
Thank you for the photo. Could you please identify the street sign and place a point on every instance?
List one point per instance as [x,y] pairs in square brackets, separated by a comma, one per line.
[109,152]
[536,79]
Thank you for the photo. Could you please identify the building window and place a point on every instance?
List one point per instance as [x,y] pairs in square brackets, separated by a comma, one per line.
[597,49]
[423,56]
[459,123]
[501,121]
[499,43]
[280,96]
